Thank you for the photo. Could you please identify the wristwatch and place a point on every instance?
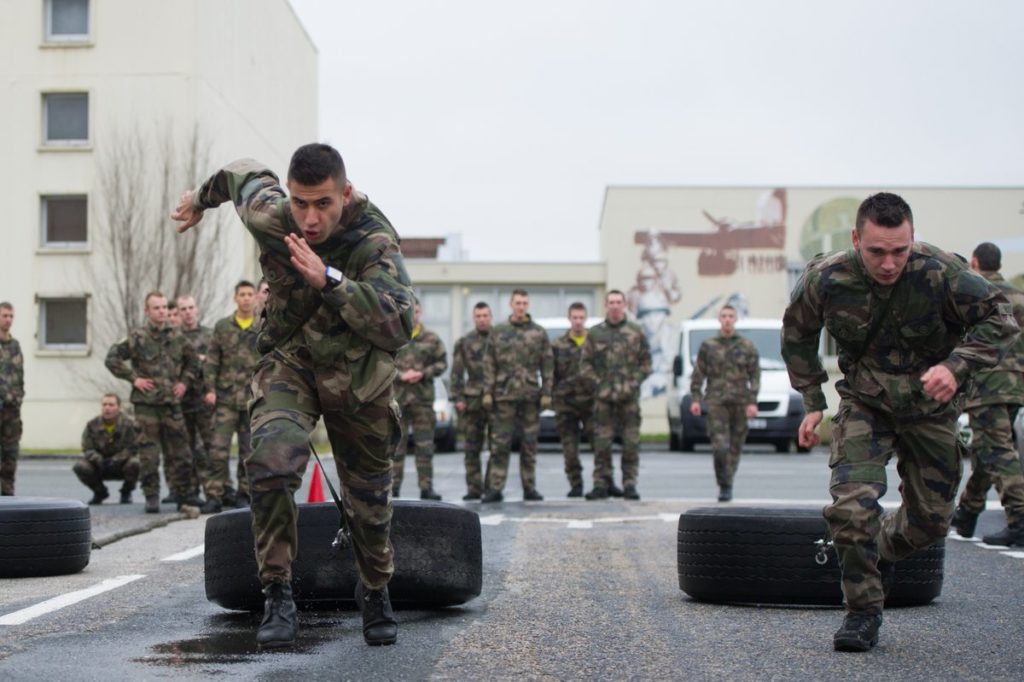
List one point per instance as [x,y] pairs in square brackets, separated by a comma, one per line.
[334,278]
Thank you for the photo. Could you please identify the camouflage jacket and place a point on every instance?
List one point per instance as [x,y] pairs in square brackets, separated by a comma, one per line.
[349,335]
[616,358]
[732,368]
[1003,384]
[468,366]
[938,312]
[569,382]
[518,364]
[12,372]
[126,437]
[230,362]
[426,353]
[163,355]
[200,340]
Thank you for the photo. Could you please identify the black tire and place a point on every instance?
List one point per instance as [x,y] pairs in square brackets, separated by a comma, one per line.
[686,445]
[767,556]
[673,440]
[783,445]
[438,558]
[42,536]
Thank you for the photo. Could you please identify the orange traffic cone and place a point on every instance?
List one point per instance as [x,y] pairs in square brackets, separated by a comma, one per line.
[316,486]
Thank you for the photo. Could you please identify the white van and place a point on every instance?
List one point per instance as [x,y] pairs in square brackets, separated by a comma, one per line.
[780,409]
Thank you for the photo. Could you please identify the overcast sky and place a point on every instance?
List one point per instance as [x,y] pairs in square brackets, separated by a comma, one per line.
[506,121]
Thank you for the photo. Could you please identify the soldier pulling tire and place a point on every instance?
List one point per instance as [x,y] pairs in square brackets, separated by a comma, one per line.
[438,558]
[41,536]
[772,556]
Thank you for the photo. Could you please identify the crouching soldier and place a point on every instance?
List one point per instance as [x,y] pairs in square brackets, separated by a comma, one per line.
[110,452]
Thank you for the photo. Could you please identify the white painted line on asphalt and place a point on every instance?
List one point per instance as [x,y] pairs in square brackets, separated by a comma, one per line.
[669,518]
[186,555]
[953,535]
[492,519]
[59,602]
[995,547]
[580,524]
[1015,555]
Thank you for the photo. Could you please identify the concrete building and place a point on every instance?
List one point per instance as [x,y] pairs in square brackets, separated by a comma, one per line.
[98,95]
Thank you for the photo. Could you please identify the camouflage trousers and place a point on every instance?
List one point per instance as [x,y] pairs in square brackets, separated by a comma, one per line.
[94,468]
[227,422]
[507,416]
[727,429]
[288,398]
[473,421]
[164,431]
[10,437]
[994,460]
[608,416]
[864,438]
[199,426]
[417,422]
[569,415]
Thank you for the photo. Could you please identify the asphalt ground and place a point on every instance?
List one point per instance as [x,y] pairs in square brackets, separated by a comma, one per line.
[572,590]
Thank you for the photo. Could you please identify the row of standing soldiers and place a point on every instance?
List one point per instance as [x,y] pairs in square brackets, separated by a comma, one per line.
[503,377]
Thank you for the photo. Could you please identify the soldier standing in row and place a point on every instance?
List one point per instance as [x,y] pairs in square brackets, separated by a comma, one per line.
[573,396]
[467,394]
[110,451]
[198,414]
[517,386]
[732,367]
[160,364]
[616,360]
[422,359]
[339,308]
[912,324]
[231,359]
[992,406]
[12,392]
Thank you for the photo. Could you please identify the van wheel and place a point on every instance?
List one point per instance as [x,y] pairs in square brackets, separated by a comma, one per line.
[438,557]
[673,440]
[42,536]
[767,556]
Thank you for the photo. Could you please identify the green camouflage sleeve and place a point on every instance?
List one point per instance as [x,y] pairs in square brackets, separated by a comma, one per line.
[257,196]
[19,372]
[439,361]
[700,370]
[986,313]
[754,373]
[211,366]
[119,361]
[801,337]
[587,369]
[490,369]
[191,371]
[547,368]
[134,438]
[377,303]
[458,369]
[88,445]
[644,366]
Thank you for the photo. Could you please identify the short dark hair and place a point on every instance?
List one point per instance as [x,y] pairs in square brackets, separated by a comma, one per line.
[5,305]
[172,304]
[990,258]
[727,306]
[244,283]
[520,292]
[885,210]
[314,163]
[480,305]
[577,305]
[614,292]
[115,396]
[153,294]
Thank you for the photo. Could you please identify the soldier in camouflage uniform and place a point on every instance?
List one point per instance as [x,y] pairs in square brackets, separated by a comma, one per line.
[231,359]
[992,406]
[12,392]
[912,324]
[616,360]
[573,395]
[110,452]
[518,371]
[198,414]
[732,367]
[339,308]
[418,363]
[160,363]
[467,394]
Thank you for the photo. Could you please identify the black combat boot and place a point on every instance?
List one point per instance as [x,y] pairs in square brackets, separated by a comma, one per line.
[230,498]
[858,633]
[99,493]
[211,506]
[279,618]
[615,491]
[379,625]
[170,499]
[1011,536]
[725,494]
[964,522]
[598,493]
[242,501]
[191,500]
[492,496]
[126,495]
[429,494]
[532,495]
[576,490]
[631,493]
[470,496]
[152,504]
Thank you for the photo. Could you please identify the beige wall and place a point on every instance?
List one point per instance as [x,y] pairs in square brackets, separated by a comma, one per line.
[148,66]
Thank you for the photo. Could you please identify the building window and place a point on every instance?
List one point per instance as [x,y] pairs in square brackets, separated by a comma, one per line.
[64,222]
[62,324]
[66,118]
[67,21]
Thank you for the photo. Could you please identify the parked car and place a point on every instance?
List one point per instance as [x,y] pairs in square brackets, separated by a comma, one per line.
[780,409]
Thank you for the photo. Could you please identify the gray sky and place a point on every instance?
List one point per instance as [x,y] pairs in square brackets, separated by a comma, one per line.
[506,121]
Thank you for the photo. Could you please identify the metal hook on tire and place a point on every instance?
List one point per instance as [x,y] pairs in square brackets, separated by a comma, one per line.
[821,556]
